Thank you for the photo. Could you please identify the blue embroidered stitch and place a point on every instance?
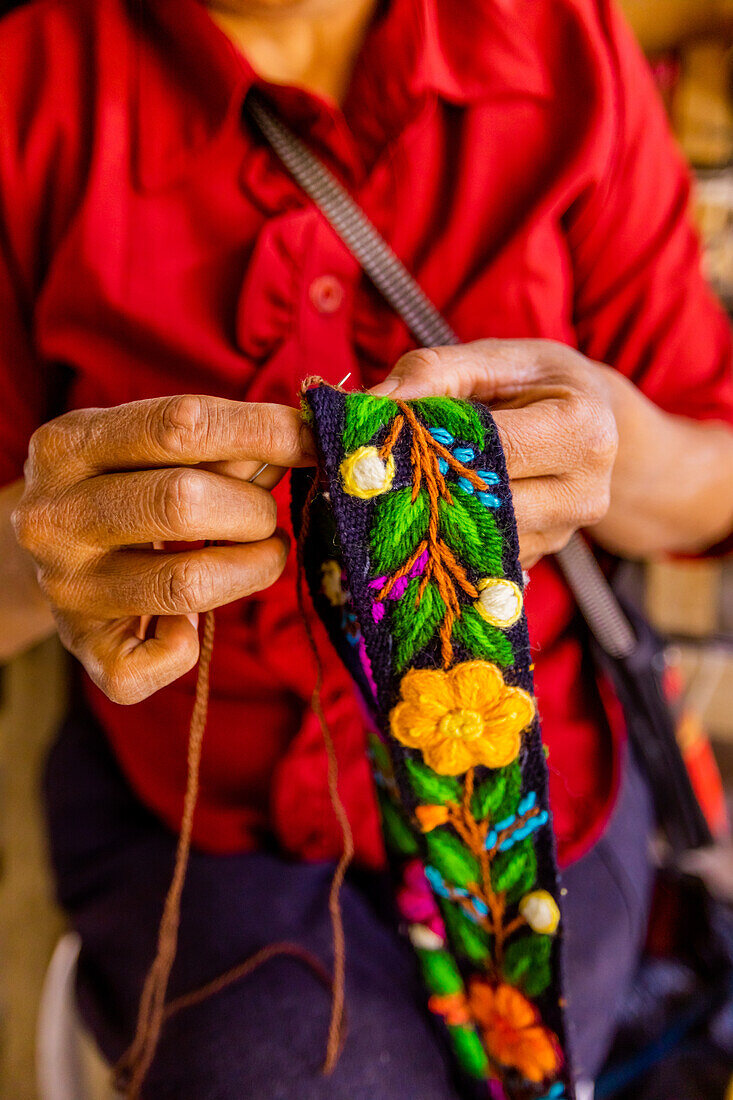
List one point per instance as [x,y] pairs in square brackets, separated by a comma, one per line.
[557,1092]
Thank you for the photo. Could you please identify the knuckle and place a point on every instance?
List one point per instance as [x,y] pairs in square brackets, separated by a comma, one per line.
[31,526]
[180,500]
[22,520]
[185,586]
[420,362]
[265,430]
[115,683]
[515,446]
[602,436]
[56,439]
[180,424]
[42,443]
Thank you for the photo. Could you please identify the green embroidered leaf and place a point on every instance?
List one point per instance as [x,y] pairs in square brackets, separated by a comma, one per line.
[457,417]
[488,795]
[527,963]
[414,627]
[430,787]
[469,939]
[482,640]
[469,1051]
[470,529]
[399,525]
[515,872]
[440,973]
[454,861]
[398,835]
[512,792]
[365,415]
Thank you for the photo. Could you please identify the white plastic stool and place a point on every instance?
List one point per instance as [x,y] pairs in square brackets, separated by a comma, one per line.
[66,1061]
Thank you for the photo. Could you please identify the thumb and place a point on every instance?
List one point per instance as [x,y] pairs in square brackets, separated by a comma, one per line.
[486,369]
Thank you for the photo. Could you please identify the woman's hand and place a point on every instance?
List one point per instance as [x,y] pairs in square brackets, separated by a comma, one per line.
[553,409]
[105,486]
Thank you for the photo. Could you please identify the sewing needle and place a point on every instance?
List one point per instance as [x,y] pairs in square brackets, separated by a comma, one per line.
[264,466]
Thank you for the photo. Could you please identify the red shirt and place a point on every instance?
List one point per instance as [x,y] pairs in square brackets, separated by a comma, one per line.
[515,155]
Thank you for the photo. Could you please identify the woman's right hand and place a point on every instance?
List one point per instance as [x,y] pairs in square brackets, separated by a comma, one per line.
[103,486]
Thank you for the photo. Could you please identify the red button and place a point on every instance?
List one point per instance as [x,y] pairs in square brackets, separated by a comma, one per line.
[327,293]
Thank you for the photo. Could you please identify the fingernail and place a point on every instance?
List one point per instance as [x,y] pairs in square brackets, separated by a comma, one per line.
[193,618]
[385,388]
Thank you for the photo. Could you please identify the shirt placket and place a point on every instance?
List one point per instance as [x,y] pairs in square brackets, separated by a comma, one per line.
[329,279]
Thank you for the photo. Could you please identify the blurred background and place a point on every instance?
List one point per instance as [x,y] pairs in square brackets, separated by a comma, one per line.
[689,44]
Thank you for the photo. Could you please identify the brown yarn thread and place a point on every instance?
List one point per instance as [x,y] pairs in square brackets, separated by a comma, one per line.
[130,1072]
[132,1068]
[272,951]
[336,1025]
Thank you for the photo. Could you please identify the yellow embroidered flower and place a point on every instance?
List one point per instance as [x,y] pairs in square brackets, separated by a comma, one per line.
[540,911]
[366,474]
[461,718]
[513,1031]
[499,602]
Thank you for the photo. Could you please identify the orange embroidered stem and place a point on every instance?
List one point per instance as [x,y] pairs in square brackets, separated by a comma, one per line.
[497,908]
[402,571]
[416,465]
[468,785]
[458,467]
[442,566]
[457,570]
[446,632]
[514,926]
[394,433]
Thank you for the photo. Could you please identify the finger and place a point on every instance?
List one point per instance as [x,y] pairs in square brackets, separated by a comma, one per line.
[534,545]
[547,503]
[170,431]
[178,505]
[538,441]
[125,668]
[140,582]
[486,369]
[251,472]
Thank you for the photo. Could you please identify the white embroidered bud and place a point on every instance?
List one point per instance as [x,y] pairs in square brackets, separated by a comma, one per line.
[540,911]
[499,602]
[365,474]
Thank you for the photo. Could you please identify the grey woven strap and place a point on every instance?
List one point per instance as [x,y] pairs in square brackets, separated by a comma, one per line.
[591,590]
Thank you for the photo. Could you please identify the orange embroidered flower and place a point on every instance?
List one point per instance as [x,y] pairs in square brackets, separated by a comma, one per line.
[429,817]
[453,1007]
[512,1030]
[461,718]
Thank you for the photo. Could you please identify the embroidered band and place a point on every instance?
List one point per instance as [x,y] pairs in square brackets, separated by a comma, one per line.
[411,557]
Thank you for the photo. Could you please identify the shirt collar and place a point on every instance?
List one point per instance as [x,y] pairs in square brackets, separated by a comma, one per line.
[190,82]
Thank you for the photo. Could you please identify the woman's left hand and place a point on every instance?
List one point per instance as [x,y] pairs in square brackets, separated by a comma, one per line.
[553,409]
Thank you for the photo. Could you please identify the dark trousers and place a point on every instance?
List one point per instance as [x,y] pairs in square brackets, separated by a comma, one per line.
[264,1037]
